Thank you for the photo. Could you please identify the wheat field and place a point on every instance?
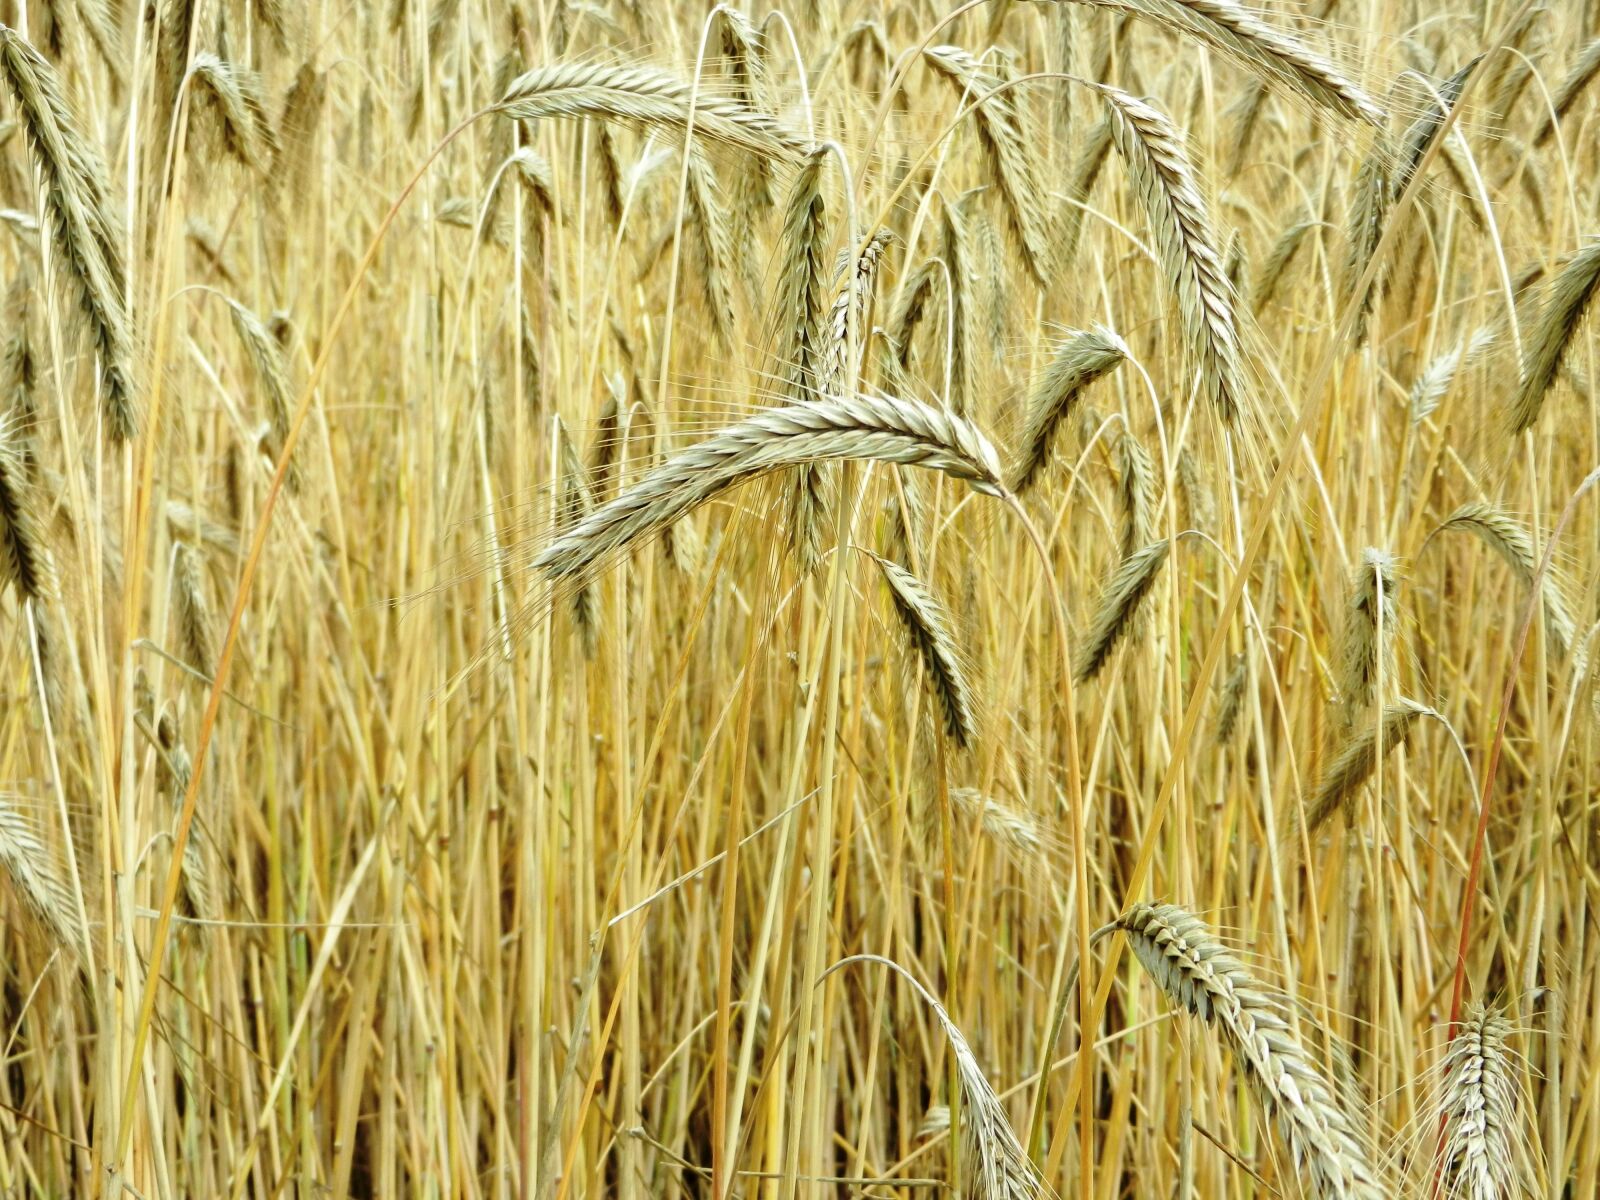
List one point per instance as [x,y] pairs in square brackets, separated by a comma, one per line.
[645,598]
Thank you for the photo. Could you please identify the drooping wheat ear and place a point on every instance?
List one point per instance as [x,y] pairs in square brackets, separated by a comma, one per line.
[711,244]
[1507,537]
[917,294]
[226,101]
[1584,69]
[532,171]
[1137,491]
[1276,56]
[1199,975]
[960,254]
[24,561]
[1002,131]
[1085,170]
[81,222]
[272,375]
[274,16]
[1567,301]
[607,439]
[297,129]
[903,526]
[1358,758]
[1478,1104]
[1277,263]
[1082,358]
[1433,382]
[173,771]
[1385,174]
[1369,639]
[646,96]
[193,609]
[1199,510]
[1160,171]
[576,504]
[928,629]
[881,428]
[178,21]
[1230,700]
[1119,605]
[847,317]
[19,371]
[1244,114]
[801,357]
[745,66]
[1001,1169]
[1013,828]
[38,876]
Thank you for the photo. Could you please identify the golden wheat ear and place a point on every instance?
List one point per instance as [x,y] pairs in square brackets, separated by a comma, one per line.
[1119,605]
[81,223]
[1567,301]
[1081,359]
[1198,974]
[927,626]
[1358,759]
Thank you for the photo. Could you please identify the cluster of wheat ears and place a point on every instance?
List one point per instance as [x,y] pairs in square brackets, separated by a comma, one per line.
[644,598]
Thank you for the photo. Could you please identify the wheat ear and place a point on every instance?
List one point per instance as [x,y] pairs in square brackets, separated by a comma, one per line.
[1577,80]
[928,627]
[24,561]
[1369,632]
[645,96]
[1432,383]
[1569,296]
[80,220]
[227,97]
[881,428]
[1507,537]
[173,771]
[576,503]
[272,373]
[194,611]
[36,872]
[1199,975]
[1277,262]
[1358,758]
[1082,358]
[1137,491]
[1161,173]
[1120,603]
[1478,1102]
[1006,141]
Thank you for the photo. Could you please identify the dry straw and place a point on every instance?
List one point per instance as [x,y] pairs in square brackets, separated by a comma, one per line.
[1199,975]
[880,428]
[928,627]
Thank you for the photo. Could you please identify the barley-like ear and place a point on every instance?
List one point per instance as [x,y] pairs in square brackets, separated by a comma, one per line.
[1159,168]
[1081,359]
[24,561]
[961,259]
[1003,1169]
[81,222]
[1433,382]
[1199,975]
[226,98]
[1096,148]
[1503,534]
[918,292]
[1007,144]
[193,610]
[1369,638]
[711,245]
[645,96]
[1137,491]
[1277,263]
[1230,700]
[1012,828]
[881,428]
[847,317]
[272,374]
[37,875]
[1358,758]
[1569,296]
[1478,1102]
[297,129]
[928,628]
[1119,605]
[1584,69]
[1273,55]
[576,504]
[173,772]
